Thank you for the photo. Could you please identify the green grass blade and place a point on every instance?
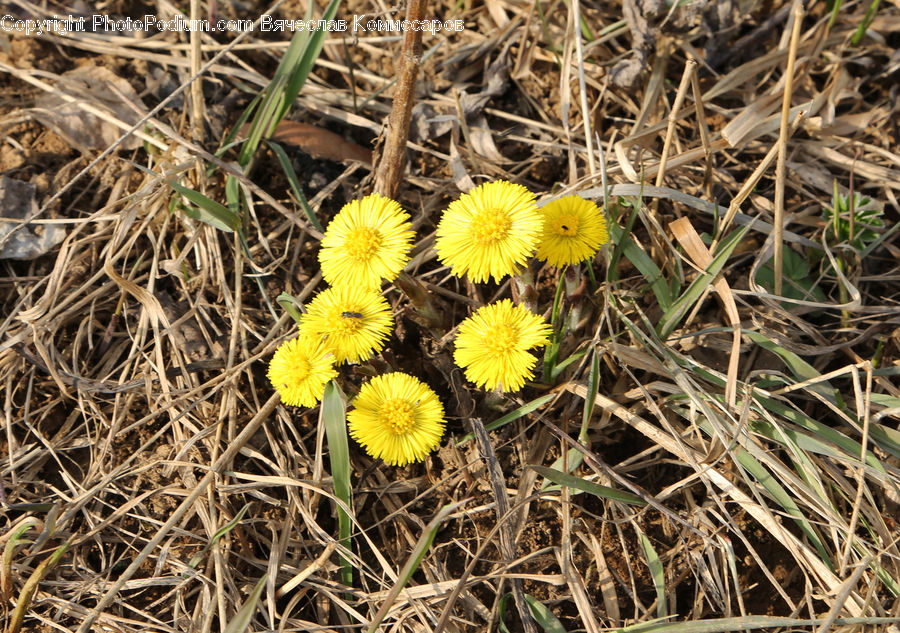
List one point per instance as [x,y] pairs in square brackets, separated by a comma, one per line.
[222,531]
[884,575]
[501,612]
[264,121]
[782,498]
[598,490]
[289,303]
[15,539]
[233,194]
[679,308]
[424,543]
[565,463]
[799,368]
[307,60]
[657,573]
[230,138]
[557,326]
[284,87]
[886,438]
[776,491]
[835,9]
[543,616]
[559,368]
[798,444]
[332,416]
[850,447]
[291,176]
[241,620]
[645,265]
[788,437]
[26,594]
[286,84]
[412,563]
[866,22]
[589,400]
[30,507]
[574,457]
[617,235]
[549,40]
[208,211]
[525,409]
[49,528]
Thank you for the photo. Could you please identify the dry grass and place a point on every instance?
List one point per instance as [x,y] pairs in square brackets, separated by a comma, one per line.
[756,422]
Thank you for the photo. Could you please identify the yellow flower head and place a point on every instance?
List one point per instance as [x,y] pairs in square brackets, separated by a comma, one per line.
[574,228]
[369,239]
[299,370]
[492,345]
[397,418]
[353,321]
[489,232]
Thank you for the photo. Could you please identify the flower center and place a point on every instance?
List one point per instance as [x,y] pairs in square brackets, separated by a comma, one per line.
[348,322]
[501,339]
[490,225]
[398,415]
[362,243]
[566,225]
[300,370]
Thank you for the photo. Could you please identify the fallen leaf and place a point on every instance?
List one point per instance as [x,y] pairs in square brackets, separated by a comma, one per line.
[427,124]
[461,177]
[28,241]
[320,143]
[100,88]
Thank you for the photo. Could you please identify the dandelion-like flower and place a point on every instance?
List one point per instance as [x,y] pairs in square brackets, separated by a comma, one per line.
[299,370]
[574,228]
[489,232]
[492,345]
[367,240]
[353,321]
[397,418]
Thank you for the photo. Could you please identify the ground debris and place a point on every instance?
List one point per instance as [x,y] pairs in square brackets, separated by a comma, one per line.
[101,89]
[17,239]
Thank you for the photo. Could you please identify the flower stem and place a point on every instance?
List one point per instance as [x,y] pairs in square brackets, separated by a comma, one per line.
[389,171]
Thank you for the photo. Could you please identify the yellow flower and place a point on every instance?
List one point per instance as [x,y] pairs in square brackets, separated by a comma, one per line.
[353,321]
[299,370]
[489,232]
[492,345]
[397,418]
[574,228]
[369,239]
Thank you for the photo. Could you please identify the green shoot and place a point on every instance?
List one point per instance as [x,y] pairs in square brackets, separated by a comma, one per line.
[332,416]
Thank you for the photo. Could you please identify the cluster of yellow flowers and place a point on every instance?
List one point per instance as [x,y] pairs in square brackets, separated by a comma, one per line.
[491,232]
[396,416]
[488,233]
